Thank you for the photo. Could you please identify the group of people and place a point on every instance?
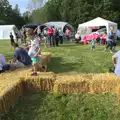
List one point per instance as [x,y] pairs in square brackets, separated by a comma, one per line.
[23,56]
[53,36]
[12,40]
[30,54]
[110,41]
[23,37]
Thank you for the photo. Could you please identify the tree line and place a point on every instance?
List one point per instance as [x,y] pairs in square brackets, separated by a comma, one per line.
[9,15]
[76,11]
[72,11]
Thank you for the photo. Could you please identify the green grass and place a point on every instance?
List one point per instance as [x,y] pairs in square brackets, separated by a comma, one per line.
[5,48]
[66,107]
[72,58]
[68,58]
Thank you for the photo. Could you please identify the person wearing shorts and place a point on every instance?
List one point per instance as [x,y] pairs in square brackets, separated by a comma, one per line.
[34,53]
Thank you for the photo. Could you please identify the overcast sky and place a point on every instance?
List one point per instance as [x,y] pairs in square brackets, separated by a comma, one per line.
[23,4]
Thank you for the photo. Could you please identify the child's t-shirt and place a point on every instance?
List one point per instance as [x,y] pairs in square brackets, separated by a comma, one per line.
[32,51]
[93,43]
[34,48]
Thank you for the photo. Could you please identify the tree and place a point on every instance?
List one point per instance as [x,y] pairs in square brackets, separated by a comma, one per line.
[9,15]
[17,10]
[77,11]
[39,16]
[35,4]
[5,8]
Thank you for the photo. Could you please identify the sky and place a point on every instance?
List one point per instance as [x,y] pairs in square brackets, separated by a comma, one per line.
[23,4]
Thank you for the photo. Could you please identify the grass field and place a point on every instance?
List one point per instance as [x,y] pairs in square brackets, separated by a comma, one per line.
[66,107]
[72,58]
[68,58]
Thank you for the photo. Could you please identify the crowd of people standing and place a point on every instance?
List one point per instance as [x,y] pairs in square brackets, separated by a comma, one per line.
[54,36]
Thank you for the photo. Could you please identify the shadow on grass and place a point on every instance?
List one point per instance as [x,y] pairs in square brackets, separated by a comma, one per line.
[26,108]
[57,65]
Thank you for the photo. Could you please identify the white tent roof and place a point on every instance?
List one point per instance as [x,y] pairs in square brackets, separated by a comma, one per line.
[6,26]
[98,22]
[6,29]
[59,24]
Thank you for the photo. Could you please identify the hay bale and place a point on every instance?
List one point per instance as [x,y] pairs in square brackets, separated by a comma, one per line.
[104,83]
[72,84]
[44,82]
[11,88]
[9,94]
[44,61]
[47,55]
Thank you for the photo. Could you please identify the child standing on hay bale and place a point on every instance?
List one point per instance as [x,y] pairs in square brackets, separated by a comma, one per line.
[34,52]
[93,44]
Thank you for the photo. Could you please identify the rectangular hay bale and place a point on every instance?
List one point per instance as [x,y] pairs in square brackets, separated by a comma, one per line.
[44,82]
[104,83]
[9,95]
[71,84]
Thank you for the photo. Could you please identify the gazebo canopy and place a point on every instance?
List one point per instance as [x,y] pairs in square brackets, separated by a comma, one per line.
[99,22]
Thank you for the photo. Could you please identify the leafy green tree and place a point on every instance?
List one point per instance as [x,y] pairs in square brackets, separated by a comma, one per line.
[77,11]
[39,16]
[9,15]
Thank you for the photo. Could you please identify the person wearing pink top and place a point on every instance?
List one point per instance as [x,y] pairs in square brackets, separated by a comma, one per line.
[104,38]
[50,34]
[67,32]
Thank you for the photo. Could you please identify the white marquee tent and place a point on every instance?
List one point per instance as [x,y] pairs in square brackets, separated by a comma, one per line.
[60,24]
[5,31]
[98,22]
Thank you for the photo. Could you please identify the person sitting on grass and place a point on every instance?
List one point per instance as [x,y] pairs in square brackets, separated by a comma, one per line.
[3,65]
[116,62]
[93,44]
[21,58]
[34,53]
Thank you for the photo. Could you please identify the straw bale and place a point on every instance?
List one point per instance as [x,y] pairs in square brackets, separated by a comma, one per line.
[72,84]
[43,82]
[9,93]
[11,88]
[104,83]
[48,54]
